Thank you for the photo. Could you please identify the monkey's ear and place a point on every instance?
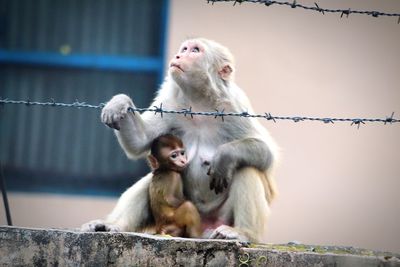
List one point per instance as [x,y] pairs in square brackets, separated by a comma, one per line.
[153,162]
[225,72]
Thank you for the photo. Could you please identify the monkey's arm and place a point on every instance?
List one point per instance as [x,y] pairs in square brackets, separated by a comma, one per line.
[135,132]
[174,191]
[237,154]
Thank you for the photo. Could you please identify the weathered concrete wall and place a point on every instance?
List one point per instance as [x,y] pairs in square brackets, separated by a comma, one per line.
[39,247]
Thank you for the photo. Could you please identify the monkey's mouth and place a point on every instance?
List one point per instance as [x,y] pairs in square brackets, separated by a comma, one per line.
[176,66]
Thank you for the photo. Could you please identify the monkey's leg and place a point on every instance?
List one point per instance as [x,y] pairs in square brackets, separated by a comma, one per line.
[131,212]
[248,205]
[187,216]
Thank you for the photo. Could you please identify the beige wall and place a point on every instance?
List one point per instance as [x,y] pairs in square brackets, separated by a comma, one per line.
[338,185]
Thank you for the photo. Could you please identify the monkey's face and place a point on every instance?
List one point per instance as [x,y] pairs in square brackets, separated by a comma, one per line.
[189,58]
[177,159]
[189,66]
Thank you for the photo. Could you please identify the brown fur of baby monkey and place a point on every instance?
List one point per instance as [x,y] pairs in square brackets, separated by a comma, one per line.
[173,214]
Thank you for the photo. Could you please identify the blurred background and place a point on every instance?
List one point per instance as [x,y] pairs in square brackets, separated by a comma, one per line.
[338,185]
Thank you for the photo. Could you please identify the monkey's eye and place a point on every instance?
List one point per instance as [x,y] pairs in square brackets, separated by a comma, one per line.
[195,49]
[183,153]
[174,155]
[184,49]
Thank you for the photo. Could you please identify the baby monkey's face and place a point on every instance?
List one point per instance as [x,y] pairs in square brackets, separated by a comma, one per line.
[177,157]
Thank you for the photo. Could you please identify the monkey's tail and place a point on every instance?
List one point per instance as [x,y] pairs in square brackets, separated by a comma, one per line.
[271,190]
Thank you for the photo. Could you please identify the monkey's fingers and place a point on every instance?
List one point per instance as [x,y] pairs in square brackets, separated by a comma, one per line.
[212,184]
[112,228]
[224,232]
[114,125]
[215,185]
[218,187]
[225,183]
[100,228]
[216,235]
[209,171]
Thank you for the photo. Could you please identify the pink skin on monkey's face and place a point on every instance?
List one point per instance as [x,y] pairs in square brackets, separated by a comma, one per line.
[178,156]
[188,54]
[177,159]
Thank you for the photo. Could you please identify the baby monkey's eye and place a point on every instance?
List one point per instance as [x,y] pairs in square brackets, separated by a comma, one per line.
[195,49]
[184,49]
[183,153]
[174,155]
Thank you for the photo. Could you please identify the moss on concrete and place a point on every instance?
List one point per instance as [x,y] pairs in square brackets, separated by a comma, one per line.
[321,249]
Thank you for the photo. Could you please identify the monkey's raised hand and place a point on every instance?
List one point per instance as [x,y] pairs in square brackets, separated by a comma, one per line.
[231,156]
[115,110]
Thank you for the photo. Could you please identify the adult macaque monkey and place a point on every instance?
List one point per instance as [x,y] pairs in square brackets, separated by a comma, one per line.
[173,214]
[229,176]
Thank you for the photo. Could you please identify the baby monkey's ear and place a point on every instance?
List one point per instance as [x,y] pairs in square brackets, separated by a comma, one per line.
[153,162]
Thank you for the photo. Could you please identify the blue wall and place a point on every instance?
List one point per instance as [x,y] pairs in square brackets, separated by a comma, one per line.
[72,50]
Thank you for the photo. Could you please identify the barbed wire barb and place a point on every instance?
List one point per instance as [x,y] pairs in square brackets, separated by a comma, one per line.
[268,2]
[188,112]
[237,1]
[245,114]
[220,114]
[328,120]
[389,119]
[132,110]
[346,12]
[159,110]
[357,122]
[217,113]
[320,9]
[268,116]
[297,119]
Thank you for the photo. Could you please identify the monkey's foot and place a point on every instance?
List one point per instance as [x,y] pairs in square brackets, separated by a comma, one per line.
[227,232]
[99,226]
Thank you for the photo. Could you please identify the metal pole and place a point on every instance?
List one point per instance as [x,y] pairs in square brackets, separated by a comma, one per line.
[4,193]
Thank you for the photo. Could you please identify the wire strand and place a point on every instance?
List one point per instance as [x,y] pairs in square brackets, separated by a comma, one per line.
[216,114]
[316,8]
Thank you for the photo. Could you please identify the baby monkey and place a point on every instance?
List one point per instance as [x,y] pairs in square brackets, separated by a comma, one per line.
[173,214]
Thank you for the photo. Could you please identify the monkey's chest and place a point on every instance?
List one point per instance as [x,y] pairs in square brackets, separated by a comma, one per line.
[202,136]
[196,180]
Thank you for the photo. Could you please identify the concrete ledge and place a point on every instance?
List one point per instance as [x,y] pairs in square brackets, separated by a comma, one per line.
[43,247]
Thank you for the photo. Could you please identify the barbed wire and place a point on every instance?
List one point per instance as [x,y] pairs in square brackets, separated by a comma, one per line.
[216,114]
[317,8]
[51,103]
